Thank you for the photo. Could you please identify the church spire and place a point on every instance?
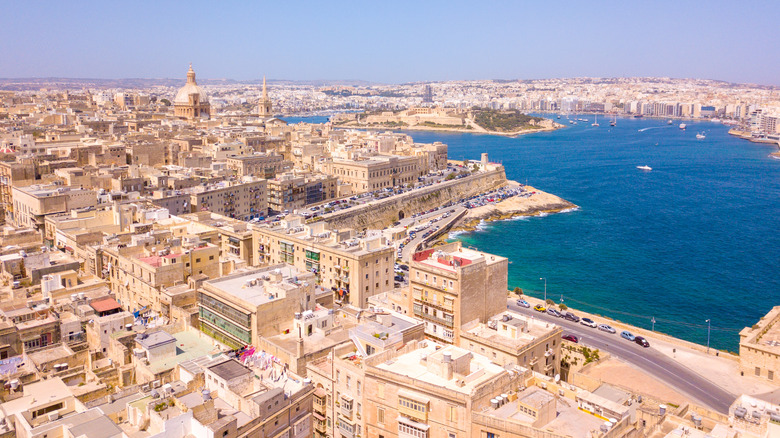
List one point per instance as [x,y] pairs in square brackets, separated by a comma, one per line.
[264,106]
[265,90]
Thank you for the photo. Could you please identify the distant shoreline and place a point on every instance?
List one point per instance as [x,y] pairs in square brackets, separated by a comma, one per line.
[466,131]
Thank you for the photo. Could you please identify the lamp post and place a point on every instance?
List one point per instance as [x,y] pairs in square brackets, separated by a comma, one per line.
[545,288]
[708,336]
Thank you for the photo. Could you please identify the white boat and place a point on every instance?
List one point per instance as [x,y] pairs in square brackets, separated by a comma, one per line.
[614,120]
[596,121]
[669,122]
[644,167]
[682,125]
[701,136]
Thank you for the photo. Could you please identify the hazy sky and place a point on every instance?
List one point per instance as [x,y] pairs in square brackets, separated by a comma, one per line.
[392,41]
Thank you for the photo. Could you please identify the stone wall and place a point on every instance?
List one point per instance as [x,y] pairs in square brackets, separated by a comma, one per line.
[382,213]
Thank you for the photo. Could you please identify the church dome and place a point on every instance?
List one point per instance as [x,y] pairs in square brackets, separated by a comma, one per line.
[191,87]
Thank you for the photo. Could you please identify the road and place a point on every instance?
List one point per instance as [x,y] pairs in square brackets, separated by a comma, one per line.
[655,363]
[409,248]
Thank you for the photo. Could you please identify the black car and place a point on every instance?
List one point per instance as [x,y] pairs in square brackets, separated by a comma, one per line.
[642,341]
[399,278]
[571,317]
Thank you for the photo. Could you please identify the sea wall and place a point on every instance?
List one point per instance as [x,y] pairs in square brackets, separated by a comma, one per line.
[383,213]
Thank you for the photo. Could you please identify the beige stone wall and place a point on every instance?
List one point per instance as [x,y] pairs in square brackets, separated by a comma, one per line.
[381,214]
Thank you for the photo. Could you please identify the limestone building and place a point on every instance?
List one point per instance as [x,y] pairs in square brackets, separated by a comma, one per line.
[191,102]
[353,268]
[759,347]
[451,286]
[378,172]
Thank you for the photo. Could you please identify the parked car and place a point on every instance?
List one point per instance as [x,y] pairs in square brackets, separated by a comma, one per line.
[625,334]
[540,308]
[523,303]
[588,322]
[571,317]
[641,341]
[570,338]
[606,328]
[554,312]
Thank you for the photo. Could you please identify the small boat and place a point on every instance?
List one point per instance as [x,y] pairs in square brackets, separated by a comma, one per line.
[669,122]
[644,167]
[638,116]
[682,126]
[559,116]
[614,121]
[701,136]
[596,121]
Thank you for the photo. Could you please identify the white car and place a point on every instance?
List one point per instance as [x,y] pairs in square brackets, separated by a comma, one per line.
[588,322]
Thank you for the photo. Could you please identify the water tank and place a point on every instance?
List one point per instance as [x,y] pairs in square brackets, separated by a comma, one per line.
[662,409]
[446,357]
[696,420]
[494,403]
[774,416]
[82,295]
[740,412]
[206,394]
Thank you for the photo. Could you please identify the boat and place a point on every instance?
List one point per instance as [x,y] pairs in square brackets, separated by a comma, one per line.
[596,121]
[645,167]
[669,122]
[638,116]
[559,116]
[701,136]
[614,121]
[682,126]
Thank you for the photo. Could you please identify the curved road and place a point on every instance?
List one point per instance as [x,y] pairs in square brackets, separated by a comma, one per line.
[655,363]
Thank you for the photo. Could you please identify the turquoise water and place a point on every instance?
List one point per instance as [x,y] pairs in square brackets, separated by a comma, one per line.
[311,119]
[696,238]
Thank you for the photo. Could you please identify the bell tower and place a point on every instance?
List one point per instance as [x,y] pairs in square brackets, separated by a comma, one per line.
[264,106]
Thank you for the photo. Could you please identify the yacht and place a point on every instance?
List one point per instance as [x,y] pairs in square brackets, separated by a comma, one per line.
[682,125]
[669,122]
[614,121]
[701,136]
[644,167]
[596,121]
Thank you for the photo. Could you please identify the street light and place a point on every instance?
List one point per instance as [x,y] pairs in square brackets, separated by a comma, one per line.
[545,288]
[708,336]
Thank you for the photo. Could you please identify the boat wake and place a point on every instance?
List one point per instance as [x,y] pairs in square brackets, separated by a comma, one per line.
[652,127]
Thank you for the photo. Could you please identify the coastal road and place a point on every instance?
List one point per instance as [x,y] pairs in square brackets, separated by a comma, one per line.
[408,250]
[653,362]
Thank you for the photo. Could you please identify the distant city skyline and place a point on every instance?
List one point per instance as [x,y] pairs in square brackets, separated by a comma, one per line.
[393,42]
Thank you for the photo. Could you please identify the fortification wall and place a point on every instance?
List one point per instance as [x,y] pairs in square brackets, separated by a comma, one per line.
[383,213]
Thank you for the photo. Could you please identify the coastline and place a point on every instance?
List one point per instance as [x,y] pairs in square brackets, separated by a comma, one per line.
[535,205]
[466,131]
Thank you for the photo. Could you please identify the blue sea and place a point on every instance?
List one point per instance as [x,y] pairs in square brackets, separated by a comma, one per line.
[696,238]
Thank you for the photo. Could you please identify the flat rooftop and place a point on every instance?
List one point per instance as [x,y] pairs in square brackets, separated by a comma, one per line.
[529,329]
[188,346]
[453,260]
[246,287]
[412,365]
[155,339]
[229,369]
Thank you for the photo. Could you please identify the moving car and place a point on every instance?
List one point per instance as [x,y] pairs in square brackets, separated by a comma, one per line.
[588,322]
[625,334]
[570,338]
[523,303]
[641,341]
[571,317]
[540,308]
[606,328]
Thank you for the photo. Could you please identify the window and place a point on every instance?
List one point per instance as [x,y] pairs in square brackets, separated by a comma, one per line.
[380,415]
[211,257]
[380,390]
[453,413]
[758,371]
[770,375]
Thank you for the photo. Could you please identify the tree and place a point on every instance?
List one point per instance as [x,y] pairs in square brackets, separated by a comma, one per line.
[550,302]
[450,177]
[563,306]
[165,102]
[518,291]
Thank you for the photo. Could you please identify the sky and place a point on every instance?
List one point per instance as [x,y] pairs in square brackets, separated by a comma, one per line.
[391,41]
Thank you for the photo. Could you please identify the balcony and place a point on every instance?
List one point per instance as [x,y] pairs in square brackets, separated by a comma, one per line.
[429,317]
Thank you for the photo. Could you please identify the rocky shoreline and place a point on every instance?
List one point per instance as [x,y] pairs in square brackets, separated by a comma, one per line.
[535,205]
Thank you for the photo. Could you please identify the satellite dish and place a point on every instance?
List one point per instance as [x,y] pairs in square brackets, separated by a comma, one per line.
[557,378]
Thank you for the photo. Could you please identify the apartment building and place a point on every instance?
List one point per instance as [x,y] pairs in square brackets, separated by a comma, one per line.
[430,392]
[354,268]
[238,309]
[451,286]
[291,191]
[262,165]
[245,199]
[31,204]
[513,339]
